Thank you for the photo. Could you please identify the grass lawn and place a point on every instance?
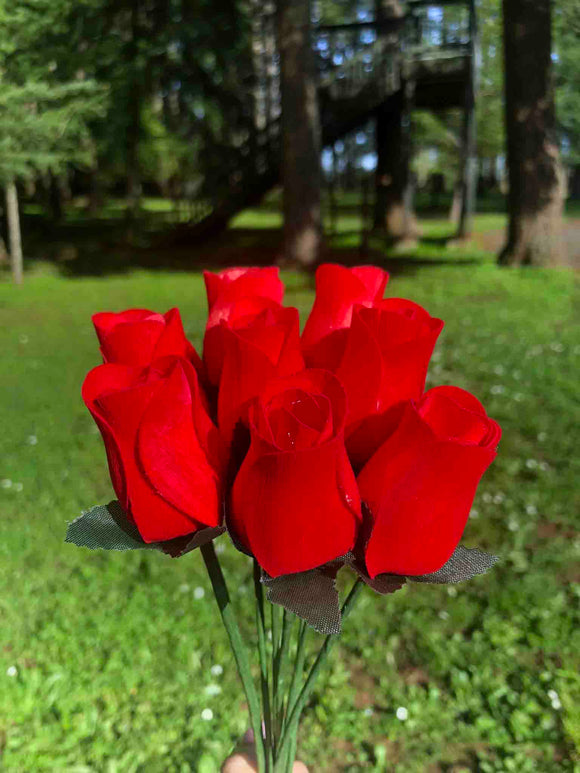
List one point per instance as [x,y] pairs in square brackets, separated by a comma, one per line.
[107,661]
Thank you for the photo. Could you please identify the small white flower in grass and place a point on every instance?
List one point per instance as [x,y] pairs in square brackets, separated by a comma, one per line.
[544,466]
[198,593]
[531,510]
[557,347]
[474,513]
[444,615]
[18,487]
[6,483]
[183,588]
[513,524]
[531,464]
[207,715]
[452,591]
[220,548]
[402,714]
[498,498]
[32,440]
[23,339]
[368,712]
[499,370]
[487,497]
[11,671]
[556,704]
[542,436]
[497,389]
[216,670]
[553,695]
[213,689]
[518,397]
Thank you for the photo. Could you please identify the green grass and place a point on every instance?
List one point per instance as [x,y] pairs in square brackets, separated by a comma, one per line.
[113,651]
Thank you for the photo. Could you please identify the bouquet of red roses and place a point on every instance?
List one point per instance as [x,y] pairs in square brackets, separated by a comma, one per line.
[313,452]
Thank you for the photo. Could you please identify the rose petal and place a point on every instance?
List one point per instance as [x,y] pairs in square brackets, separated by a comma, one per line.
[171,455]
[338,289]
[296,510]
[419,490]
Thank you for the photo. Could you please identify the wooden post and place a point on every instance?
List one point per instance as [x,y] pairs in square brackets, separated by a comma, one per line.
[14,235]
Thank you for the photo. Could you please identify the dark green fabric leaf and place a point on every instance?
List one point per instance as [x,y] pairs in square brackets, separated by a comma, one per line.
[107,527]
[463,565]
[311,595]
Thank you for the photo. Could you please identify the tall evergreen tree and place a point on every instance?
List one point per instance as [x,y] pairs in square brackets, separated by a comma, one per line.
[42,127]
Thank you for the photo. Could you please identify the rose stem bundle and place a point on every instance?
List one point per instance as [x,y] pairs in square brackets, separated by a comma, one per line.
[275,739]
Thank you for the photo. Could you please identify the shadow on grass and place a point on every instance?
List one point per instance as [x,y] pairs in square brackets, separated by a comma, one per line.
[98,248]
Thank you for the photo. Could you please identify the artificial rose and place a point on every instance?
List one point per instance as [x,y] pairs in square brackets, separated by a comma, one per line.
[234,298]
[338,290]
[139,336]
[295,502]
[419,486]
[234,284]
[385,356]
[267,347]
[163,450]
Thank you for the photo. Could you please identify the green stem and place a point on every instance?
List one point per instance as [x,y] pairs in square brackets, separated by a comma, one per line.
[329,642]
[238,648]
[275,631]
[283,657]
[298,667]
[295,691]
[264,682]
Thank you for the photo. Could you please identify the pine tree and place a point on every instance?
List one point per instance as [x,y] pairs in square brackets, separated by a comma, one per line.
[42,127]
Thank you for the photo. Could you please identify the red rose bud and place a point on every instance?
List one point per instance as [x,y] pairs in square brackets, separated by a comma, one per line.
[338,290]
[419,486]
[139,336]
[163,450]
[235,297]
[295,503]
[234,284]
[267,347]
[385,359]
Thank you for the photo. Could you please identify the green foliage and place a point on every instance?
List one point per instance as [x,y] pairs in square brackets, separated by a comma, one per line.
[567,66]
[43,127]
[105,659]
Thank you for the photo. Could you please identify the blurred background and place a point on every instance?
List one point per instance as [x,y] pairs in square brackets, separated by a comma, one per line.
[142,141]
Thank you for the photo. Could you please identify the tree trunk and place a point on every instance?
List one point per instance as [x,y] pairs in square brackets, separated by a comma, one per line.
[393,208]
[14,234]
[536,179]
[95,194]
[393,200]
[133,133]
[456,203]
[300,134]
[55,198]
[574,185]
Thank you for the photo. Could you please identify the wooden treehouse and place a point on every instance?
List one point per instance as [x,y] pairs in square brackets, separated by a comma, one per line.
[424,56]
